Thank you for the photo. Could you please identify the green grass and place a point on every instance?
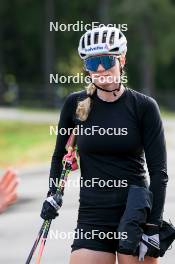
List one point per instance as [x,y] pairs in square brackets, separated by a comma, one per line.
[39,110]
[23,144]
[167,113]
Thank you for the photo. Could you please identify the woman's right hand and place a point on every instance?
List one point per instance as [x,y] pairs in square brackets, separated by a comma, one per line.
[51,206]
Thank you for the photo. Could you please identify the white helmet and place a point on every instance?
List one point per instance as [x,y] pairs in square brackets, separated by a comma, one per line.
[102,40]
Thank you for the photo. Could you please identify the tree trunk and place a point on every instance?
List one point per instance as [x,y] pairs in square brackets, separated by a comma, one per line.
[147,64]
[48,51]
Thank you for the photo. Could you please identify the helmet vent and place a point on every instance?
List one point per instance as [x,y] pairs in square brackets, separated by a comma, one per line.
[82,55]
[111,41]
[83,46]
[120,35]
[96,35]
[115,49]
[88,39]
[104,36]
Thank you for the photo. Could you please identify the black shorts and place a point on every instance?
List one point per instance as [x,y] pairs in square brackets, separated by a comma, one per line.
[97,236]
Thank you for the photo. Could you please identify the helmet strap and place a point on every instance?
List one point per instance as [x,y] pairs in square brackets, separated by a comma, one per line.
[112,91]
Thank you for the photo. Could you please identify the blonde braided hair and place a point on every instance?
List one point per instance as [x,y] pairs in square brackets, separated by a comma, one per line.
[84,107]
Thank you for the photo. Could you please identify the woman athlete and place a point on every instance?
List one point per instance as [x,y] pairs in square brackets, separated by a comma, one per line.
[122,129]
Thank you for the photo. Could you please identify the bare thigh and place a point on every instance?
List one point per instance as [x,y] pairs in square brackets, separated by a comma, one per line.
[123,259]
[87,256]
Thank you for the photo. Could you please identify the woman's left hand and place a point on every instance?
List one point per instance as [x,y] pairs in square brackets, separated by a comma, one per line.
[150,242]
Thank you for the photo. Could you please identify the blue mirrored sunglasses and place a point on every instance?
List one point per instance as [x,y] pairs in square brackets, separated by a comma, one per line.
[92,63]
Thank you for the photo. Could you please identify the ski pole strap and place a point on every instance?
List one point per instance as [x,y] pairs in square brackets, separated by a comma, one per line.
[72,157]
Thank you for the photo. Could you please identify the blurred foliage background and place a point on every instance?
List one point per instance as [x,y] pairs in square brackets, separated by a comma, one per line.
[29,52]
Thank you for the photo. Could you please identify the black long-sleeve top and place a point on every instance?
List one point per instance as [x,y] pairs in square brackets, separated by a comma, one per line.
[139,135]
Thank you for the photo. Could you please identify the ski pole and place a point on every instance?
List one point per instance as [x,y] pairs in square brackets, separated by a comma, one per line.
[35,243]
[46,224]
[43,241]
